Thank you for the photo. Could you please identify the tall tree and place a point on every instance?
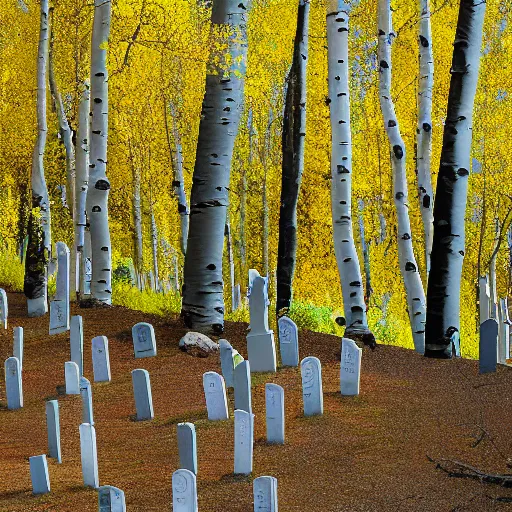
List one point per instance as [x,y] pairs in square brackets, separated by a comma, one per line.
[408,266]
[443,293]
[39,247]
[99,185]
[203,297]
[294,134]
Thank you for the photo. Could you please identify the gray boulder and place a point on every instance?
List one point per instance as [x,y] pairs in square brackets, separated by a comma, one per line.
[198,345]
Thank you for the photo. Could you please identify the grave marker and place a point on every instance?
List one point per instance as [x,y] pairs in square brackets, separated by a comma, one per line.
[86,394]
[144,342]
[3,308]
[39,474]
[504,332]
[274,407]
[184,491]
[350,367]
[226,362]
[89,455]
[142,394]
[484,298]
[100,359]
[53,429]
[59,306]
[243,398]
[111,499]
[18,345]
[187,446]
[72,377]
[13,384]
[215,394]
[488,346]
[77,342]
[288,341]
[312,394]
[265,494]
[244,439]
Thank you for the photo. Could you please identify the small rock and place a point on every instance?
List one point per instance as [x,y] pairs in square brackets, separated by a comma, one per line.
[197,344]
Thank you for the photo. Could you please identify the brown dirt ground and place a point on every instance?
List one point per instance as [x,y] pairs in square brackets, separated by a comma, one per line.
[366,453]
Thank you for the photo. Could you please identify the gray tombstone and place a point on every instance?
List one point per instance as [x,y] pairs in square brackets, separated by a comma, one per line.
[504,332]
[350,367]
[265,494]
[111,499]
[144,342]
[72,378]
[252,274]
[13,384]
[226,362]
[142,394]
[100,359]
[89,455]
[244,441]
[187,446]
[3,308]
[288,341]
[484,298]
[312,394]
[86,394]
[488,346]
[59,306]
[39,474]
[274,407]
[77,342]
[215,395]
[243,399]
[184,491]
[53,428]
[18,345]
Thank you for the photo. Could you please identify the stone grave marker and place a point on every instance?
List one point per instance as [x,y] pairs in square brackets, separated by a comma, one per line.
[261,348]
[350,367]
[215,394]
[187,446]
[226,362]
[100,359]
[59,306]
[53,429]
[88,269]
[144,343]
[274,407]
[72,376]
[252,274]
[89,455]
[312,394]
[3,308]
[184,491]
[18,345]
[244,440]
[77,342]
[111,499]
[243,398]
[504,332]
[39,474]
[288,341]
[142,394]
[86,394]
[488,346]
[265,494]
[13,384]
[484,298]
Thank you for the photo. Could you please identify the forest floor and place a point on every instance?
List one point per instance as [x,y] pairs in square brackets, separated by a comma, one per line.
[366,453]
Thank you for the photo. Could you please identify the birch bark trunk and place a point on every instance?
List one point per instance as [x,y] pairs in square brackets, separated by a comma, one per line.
[154,245]
[231,262]
[408,266]
[443,292]
[137,220]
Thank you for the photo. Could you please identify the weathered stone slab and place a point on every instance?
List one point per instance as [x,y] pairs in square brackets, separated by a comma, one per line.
[18,345]
[261,351]
[4,312]
[13,384]
[187,446]
[258,306]
[100,359]
[215,394]
[89,455]
[53,429]
[144,342]
[243,399]
[488,346]
[350,367]
[197,344]
[184,491]
[274,407]
[72,376]
[142,394]
[59,307]
[312,394]
[288,341]
[111,499]
[484,298]
[86,394]
[244,442]
[77,342]
[504,332]
[226,362]
[265,494]
[39,474]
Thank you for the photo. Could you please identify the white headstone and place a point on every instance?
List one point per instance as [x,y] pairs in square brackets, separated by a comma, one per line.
[184,491]
[77,342]
[187,446]
[243,398]
[265,494]
[312,394]
[142,394]
[111,499]
[86,394]
[18,345]
[350,367]
[3,308]
[252,274]
[59,307]
[72,375]
[53,428]
[144,343]
[13,385]
[39,474]
[484,297]
[244,440]
[100,359]
[274,407]
[288,341]
[504,332]
[89,455]
[215,394]
[488,346]
[226,362]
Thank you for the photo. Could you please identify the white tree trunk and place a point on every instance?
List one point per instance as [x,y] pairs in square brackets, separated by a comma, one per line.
[492,274]
[99,185]
[231,262]
[137,220]
[40,245]
[424,130]
[154,245]
[341,168]
[408,266]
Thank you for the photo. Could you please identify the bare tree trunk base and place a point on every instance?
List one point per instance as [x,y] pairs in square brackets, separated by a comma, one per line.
[93,303]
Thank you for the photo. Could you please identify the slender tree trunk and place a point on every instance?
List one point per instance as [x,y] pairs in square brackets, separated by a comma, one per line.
[229,248]
[137,220]
[408,266]
[203,298]
[424,130]
[39,247]
[366,254]
[443,296]
[294,134]
[154,245]
[341,168]
[99,185]
[243,200]
[492,274]
[264,196]
[509,242]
